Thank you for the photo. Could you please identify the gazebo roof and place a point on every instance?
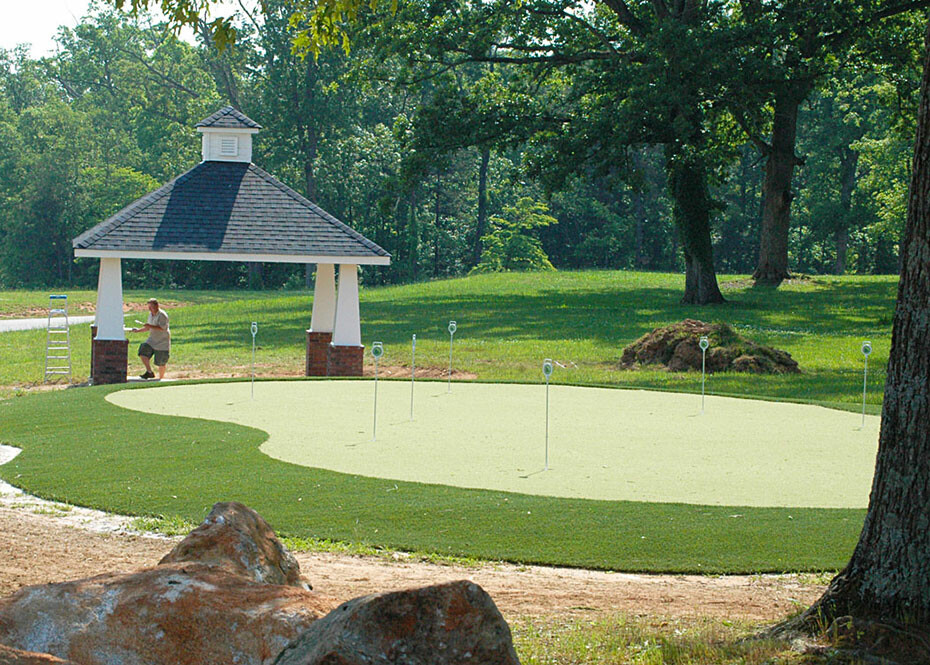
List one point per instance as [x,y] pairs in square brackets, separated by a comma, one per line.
[229,118]
[228,211]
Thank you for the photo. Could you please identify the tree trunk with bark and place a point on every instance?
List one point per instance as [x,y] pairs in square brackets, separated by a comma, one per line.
[638,208]
[687,183]
[887,581]
[849,162]
[776,188]
[482,224]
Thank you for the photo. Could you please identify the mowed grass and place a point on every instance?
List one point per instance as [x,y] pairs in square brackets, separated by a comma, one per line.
[648,641]
[22,353]
[508,323]
[80,449]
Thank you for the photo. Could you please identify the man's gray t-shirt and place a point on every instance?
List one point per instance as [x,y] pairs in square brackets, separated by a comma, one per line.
[160,340]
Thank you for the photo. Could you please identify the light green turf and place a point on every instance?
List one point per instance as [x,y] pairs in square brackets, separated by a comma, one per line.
[603,443]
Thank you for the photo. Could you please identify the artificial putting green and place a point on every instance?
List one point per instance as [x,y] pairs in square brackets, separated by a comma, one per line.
[616,445]
[79,448]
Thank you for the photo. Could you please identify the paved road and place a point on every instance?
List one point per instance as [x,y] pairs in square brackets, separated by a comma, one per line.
[9,325]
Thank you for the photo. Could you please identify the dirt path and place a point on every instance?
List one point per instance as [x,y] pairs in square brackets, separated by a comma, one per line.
[40,548]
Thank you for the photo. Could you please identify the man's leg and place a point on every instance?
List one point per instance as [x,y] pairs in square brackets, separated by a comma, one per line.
[147,362]
[161,372]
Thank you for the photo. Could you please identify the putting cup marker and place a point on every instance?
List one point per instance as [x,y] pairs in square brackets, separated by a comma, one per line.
[254,329]
[452,328]
[866,352]
[704,343]
[547,372]
[377,350]
[413,371]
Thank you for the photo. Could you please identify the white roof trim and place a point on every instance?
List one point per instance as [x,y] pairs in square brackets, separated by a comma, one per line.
[228,256]
[228,130]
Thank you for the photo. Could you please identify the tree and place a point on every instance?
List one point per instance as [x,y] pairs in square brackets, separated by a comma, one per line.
[799,43]
[617,53]
[887,580]
[511,246]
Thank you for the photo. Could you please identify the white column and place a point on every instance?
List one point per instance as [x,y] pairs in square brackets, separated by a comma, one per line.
[324,298]
[110,300]
[347,330]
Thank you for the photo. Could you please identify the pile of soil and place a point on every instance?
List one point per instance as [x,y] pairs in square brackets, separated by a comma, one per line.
[677,348]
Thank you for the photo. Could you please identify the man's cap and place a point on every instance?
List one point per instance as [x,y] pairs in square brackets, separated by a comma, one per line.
[153,300]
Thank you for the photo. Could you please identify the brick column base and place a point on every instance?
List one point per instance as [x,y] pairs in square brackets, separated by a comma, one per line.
[344,360]
[317,352]
[110,359]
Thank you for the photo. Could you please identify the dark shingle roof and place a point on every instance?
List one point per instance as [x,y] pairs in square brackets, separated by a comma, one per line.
[227,207]
[229,118]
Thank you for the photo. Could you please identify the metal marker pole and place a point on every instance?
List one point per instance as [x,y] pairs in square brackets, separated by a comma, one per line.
[413,371]
[377,350]
[703,355]
[254,329]
[547,424]
[866,350]
[704,343]
[547,372]
[451,337]
[374,423]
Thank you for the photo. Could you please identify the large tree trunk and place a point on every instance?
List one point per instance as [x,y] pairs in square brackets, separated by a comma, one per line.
[849,162]
[638,208]
[776,188]
[482,225]
[687,182]
[887,580]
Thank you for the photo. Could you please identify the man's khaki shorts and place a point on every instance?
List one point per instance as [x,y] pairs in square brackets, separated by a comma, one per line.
[146,351]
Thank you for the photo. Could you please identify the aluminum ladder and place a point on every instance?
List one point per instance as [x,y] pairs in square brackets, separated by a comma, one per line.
[57,338]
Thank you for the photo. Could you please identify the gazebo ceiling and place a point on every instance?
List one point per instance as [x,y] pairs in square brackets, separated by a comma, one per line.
[228,211]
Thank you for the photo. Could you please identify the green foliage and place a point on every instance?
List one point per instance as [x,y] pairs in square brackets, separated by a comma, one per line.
[437,120]
[510,246]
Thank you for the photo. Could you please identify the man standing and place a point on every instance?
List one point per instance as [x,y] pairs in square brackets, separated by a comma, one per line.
[158,344]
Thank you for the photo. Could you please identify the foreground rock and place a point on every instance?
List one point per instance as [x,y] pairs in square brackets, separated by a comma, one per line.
[16,657]
[236,538]
[231,594]
[677,348]
[182,612]
[448,624]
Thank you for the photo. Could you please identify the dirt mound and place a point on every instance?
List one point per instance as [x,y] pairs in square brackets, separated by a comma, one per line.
[677,348]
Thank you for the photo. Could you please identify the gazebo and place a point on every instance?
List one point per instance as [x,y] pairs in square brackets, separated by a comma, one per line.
[228,209]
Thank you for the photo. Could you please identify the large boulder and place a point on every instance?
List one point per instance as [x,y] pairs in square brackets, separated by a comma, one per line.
[235,537]
[180,614]
[209,601]
[10,656]
[447,624]
[677,348]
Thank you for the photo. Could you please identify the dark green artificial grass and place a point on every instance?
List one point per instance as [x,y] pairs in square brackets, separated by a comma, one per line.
[79,448]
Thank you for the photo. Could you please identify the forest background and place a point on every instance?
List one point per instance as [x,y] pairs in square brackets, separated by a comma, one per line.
[485,136]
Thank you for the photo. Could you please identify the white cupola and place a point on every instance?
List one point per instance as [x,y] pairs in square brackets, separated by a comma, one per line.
[227,136]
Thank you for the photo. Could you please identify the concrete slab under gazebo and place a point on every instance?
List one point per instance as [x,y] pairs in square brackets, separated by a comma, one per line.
[228,209]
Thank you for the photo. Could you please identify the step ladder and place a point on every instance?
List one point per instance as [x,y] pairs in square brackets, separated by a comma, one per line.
[57,339]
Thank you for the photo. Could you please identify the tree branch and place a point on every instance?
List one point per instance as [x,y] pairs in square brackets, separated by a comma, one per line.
[605,40]
[626,17]
[164,77]
[554,59]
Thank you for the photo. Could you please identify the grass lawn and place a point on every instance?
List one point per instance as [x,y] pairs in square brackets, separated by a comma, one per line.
[93,453]
[508,323]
